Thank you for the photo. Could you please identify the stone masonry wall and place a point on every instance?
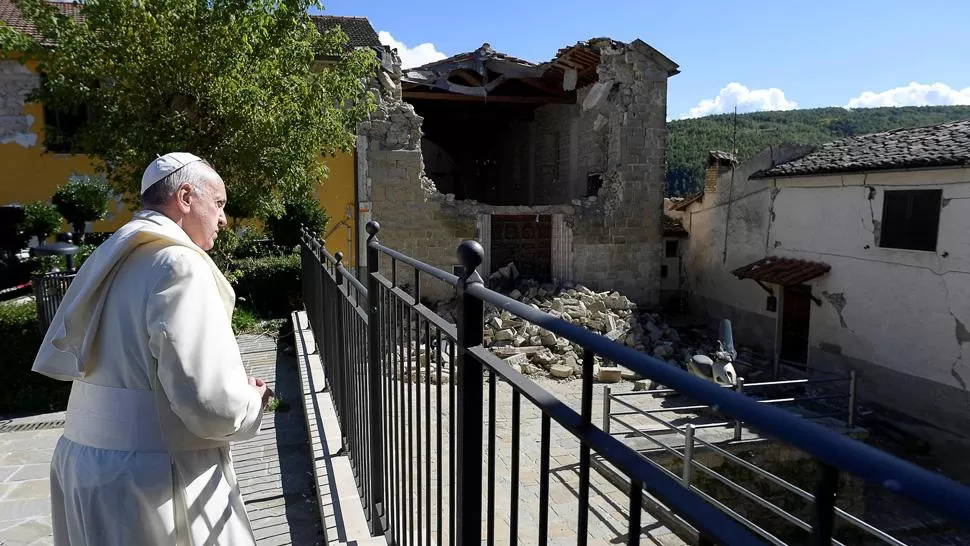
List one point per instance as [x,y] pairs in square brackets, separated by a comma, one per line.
[567,149]
[403,200]
[618,240]
[619,127]
[16,82]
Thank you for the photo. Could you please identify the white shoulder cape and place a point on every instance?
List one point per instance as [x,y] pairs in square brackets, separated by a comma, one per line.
[68,341]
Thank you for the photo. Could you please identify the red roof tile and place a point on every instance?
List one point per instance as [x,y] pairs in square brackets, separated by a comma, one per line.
[10,15]
[782,271]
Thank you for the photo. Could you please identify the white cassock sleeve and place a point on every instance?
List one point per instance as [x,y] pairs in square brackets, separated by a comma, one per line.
[199,365]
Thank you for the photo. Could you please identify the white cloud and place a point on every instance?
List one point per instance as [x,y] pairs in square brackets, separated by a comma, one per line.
[747,100]
[412,57]
[914,94]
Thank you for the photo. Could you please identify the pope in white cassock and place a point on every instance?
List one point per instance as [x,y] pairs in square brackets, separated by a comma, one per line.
[159,388]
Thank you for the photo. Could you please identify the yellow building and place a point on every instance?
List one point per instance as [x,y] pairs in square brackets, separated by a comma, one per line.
[32,171]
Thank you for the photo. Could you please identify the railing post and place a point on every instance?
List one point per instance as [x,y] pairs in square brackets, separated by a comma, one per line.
[606,409]
[825,492]
[471,322]
[374,382]
[737,422]
[341,366]
[850,420]
[688,454]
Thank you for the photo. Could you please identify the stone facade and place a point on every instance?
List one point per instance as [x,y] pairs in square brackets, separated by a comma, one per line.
[617,128]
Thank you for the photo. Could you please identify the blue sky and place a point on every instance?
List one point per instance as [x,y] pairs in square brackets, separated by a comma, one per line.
[758,54]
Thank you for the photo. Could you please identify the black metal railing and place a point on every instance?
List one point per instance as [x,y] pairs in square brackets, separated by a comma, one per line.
[409,389]
[49,290]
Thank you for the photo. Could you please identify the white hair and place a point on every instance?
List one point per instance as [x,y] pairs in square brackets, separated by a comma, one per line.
[195,174]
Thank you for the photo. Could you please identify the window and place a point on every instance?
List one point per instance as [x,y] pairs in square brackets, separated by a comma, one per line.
[594,181]
[670,249]
[61,126]
[663,271]
[910,219]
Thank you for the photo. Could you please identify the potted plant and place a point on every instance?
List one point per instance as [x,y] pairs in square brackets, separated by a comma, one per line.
[83,199]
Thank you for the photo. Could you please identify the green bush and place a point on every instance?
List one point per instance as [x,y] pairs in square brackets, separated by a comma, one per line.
[41,220]
[83,199]
[269,286]
[25,391]
[300,211]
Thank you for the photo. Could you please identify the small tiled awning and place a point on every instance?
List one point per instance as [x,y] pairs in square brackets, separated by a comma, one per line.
[782,271]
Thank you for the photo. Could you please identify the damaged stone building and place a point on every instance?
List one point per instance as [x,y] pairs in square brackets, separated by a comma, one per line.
[851,256]
[557,167]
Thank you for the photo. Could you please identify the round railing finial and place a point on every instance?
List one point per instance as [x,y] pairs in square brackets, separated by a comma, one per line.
[372,228]
[339,256]
[471,255]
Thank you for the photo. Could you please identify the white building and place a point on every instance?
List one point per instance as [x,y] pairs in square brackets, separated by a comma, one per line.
[852,256]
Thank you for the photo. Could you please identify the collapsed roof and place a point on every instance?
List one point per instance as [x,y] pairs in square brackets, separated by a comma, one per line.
[489,75]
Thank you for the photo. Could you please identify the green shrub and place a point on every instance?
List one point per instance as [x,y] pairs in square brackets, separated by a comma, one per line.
[25,391]
[269,286]
[41,220]
[83,199]
[300,211]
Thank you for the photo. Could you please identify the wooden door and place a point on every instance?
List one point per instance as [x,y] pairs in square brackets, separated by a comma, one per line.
[795,318]
[525,240]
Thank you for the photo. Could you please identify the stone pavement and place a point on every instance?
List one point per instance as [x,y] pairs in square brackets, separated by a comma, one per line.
[608,512]
[274,468]
[608,506]
[25,473]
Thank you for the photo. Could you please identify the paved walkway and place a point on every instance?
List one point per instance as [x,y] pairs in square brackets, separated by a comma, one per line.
[608,506]
[274,468]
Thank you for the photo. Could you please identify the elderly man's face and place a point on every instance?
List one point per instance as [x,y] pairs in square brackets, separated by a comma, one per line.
[204,214]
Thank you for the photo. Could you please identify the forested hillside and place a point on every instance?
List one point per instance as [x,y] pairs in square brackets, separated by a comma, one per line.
[690,140]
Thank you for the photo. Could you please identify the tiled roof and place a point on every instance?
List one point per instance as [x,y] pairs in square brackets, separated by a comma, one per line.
[10,15]
[359,31]
[943,145]
[782,271]
[485,52]
[673,227]
[685,202]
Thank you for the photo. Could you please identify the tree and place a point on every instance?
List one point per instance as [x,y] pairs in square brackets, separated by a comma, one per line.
[83,199]
[233,81]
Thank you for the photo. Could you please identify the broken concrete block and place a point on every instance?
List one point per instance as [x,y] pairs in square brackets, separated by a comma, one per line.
[560,371]
[609,374]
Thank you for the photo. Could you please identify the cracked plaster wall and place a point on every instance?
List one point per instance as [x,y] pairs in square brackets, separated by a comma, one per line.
[16,83]
[714,292]
[897,317]
[893,315]
[616,239]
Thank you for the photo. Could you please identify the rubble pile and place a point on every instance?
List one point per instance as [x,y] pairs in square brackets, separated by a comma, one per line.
[532,350]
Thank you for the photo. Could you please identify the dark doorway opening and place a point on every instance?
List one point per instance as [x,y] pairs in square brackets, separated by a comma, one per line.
[795,318]
[525,240]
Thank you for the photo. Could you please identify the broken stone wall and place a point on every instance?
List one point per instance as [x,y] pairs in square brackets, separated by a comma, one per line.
[402,199]
[619,128]
[568,149]
[617,237]
[16,83]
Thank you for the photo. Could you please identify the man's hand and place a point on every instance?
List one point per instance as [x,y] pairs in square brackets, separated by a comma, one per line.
[264,392]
